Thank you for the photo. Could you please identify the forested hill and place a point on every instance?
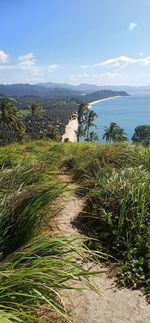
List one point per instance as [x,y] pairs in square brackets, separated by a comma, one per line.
[103,94]
[35,90]
[59,104]
[57,91]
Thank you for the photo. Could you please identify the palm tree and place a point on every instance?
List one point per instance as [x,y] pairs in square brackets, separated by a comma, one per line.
[142,135]
[93,136]
[7,117]
[36,110]
[83,108]
[89,122]
[34,120]
[80,132]
[55,134]
[81,112]
[114,133]
[11,127]
[18,126]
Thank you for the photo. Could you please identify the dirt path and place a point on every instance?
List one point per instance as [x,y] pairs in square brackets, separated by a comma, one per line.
[113,305]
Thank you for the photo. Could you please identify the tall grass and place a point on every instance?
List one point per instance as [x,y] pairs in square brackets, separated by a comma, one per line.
[83,158]
[31,279]
[26,194]
[116,184]
[21,215]
[33,268]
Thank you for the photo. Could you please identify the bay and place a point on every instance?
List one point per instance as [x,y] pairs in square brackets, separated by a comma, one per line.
[128,112]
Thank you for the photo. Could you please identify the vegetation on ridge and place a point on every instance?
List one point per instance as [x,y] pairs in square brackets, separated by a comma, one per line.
[142,135]
[32,263]
[115,181]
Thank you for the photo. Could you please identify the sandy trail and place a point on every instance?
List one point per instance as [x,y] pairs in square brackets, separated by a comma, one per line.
[113,305]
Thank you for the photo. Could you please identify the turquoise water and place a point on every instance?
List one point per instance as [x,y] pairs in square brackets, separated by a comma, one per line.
[128,112]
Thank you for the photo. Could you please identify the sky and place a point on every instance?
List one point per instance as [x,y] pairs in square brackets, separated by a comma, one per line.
[104,42]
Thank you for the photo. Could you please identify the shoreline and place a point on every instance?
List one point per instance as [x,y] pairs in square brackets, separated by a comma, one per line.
[101,100]
[72,125]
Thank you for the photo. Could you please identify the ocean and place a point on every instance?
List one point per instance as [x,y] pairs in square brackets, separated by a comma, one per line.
[128,112]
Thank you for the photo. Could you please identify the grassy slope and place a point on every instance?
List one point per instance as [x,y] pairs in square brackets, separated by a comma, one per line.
[32,265]
[115,181]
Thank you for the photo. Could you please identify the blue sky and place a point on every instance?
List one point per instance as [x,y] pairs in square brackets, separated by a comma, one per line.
[92,41]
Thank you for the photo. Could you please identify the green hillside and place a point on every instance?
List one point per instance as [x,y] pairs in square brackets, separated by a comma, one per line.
[114,181]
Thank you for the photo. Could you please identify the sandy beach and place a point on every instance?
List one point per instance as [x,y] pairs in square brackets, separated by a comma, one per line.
[72,125]
[90,105]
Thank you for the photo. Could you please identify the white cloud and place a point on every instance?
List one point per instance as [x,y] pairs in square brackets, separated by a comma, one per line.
[118,61]
[26,70]
[52,67]
[145,61]
[92,77]
[123,61]
[27,61]
[3,57]
[115,70]
[104,75]
[132,25]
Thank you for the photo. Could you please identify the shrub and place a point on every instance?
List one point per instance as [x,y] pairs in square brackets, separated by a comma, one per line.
[117,214]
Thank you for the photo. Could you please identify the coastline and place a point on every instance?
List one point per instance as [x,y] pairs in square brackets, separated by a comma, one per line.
[72,125]
[101,100]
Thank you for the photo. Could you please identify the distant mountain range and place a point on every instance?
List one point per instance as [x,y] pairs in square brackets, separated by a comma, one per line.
[61,89]
[82,88]
[35,90]
[89,88]
[51,89]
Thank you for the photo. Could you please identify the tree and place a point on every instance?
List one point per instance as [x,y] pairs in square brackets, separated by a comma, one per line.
[80,132]
[114,133]
[36,122]
[18,126]
[93,136]
[36,110]
[11,126]
[82,110]
[85,122]
[142,135]
[55,134]
[89,123]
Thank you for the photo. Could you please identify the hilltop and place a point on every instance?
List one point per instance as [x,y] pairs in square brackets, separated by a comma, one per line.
[49,190]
